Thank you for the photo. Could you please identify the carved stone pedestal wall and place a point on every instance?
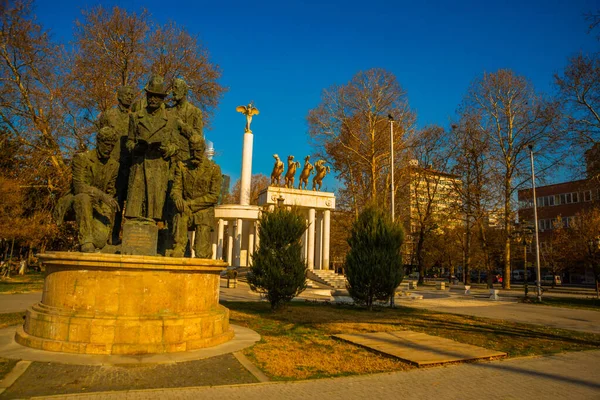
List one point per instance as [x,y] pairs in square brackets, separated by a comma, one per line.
[117,304]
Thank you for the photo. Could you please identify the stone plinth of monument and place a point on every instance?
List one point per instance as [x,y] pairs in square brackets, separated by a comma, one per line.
[126,304]
[140,237]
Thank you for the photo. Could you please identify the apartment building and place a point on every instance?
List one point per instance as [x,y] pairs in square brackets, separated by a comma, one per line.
[427,195]
[561,199]
[564,200]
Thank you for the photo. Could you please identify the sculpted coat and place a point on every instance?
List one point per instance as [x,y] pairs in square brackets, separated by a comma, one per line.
[93,184]
[118,119]
[152,143]
[191,118]
[199,186]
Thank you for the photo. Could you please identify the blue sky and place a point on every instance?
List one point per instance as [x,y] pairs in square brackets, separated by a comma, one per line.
[282,54]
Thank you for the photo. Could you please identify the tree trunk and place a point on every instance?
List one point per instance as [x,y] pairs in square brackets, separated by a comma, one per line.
[420,257]
[12,248]
[507,230]
[467,266]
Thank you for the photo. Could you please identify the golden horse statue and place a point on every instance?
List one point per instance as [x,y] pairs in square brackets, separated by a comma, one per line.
[291,171]
[321,171]
[306,171]
[277,170]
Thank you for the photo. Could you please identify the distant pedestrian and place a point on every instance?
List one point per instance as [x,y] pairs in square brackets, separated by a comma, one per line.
[22,267]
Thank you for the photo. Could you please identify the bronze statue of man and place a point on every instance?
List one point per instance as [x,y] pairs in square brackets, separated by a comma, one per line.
[118,118]
[188,117]
[195,192]
[151,141]
[92,197]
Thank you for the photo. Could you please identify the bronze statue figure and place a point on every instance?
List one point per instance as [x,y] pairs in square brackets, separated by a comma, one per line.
[277,170]
[152,144]
[92,197]
[196,190]
[321,171]
[291,171]
[248,111]
[306,171]
[188,117]
[118,119]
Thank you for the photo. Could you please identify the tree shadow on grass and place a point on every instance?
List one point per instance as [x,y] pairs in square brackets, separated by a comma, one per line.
[502,335]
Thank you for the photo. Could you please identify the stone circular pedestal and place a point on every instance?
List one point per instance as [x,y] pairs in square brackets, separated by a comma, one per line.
[124,304]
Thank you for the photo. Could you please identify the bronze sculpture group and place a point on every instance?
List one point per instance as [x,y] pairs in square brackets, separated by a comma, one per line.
[307,170]
[149,161]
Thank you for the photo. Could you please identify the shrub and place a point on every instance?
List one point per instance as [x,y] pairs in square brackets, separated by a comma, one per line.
[278,270]
[374,263]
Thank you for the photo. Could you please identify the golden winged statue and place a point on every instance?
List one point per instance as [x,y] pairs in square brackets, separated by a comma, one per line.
[248,111]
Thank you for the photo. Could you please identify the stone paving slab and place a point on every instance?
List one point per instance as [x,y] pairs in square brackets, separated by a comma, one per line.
[418,348]
[563,376]
[53,379]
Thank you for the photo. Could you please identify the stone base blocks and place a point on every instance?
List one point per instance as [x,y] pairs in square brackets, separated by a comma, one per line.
[116,304]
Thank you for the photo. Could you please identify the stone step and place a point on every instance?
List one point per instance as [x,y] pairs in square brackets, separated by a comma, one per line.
[327,277]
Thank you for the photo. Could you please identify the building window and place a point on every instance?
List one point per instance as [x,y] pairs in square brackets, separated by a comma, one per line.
[587,195]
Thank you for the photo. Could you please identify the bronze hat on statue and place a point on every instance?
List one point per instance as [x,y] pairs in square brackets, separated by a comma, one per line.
[156,85]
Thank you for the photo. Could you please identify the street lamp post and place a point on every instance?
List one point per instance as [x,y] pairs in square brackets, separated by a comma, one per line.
[537,235]
[391,119]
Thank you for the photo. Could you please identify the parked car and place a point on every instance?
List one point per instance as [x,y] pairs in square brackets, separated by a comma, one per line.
[547,280]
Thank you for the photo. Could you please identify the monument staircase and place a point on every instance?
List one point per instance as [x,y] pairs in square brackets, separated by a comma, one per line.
[327,277]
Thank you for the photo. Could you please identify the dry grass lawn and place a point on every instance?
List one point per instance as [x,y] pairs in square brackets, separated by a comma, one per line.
[30,282]
[296,342]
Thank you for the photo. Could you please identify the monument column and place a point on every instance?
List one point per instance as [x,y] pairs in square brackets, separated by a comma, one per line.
[319,240]
[311,239]
[237,243]
[250,242]
[246,178]
[230,240]
[326,231]
[213,238]
[304,242]
[220,238]
[257,236]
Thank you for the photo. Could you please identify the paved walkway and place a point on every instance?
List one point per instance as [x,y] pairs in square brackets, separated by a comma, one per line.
[557,317]
[10,303]
[564,376]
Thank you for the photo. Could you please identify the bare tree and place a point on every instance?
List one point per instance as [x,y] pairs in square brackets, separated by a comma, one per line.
[115,48]
[558,251]
[513,116]
[475,188]
[259,182]
[36,108]
[586,229]
[351,128]
[426,190]
[579,91]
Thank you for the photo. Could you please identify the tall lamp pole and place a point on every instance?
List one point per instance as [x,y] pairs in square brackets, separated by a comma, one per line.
[391,119]
[537,233]
[392,159]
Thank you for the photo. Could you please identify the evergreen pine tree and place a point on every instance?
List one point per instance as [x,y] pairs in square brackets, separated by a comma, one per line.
[374,263]
[278,270]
